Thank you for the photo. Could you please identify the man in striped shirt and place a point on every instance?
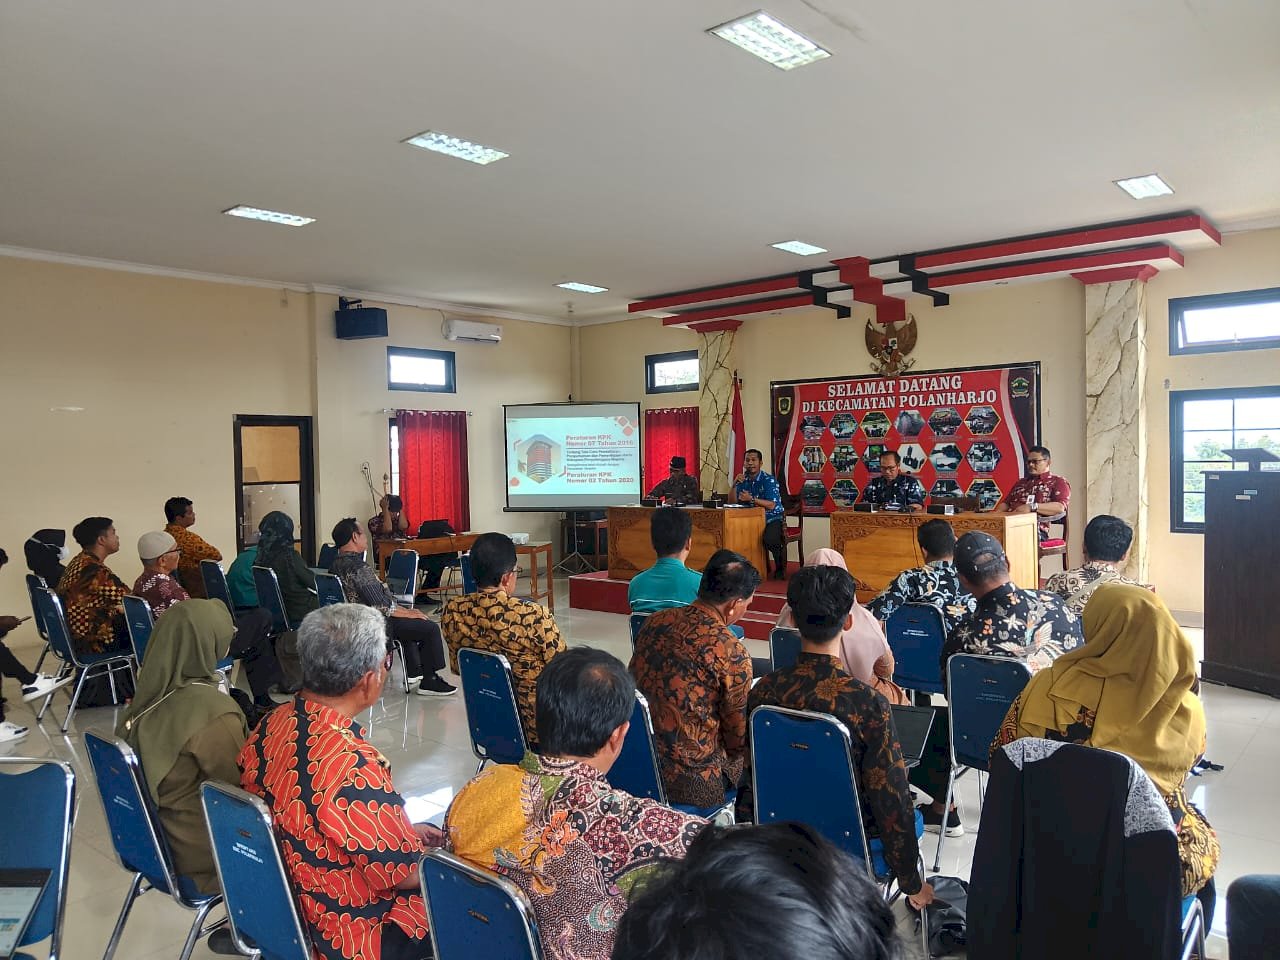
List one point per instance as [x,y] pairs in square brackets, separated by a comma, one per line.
[668,583]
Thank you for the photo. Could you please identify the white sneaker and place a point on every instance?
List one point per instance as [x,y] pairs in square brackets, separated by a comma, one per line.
[414,681]
[44,686]
[11,731]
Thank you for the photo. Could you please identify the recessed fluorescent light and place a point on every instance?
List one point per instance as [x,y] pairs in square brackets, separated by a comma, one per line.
[1141,188]
[270,216]
[582,287]
[798,247]
[770,40]
[455,147]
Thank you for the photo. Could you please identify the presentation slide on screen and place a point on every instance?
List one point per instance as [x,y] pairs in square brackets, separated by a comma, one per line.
[572,456]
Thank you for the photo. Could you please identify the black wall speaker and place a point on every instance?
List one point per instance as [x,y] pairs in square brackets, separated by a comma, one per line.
[360,323]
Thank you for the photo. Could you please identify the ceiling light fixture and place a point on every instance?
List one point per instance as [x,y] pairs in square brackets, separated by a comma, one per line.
[771,40]
[269,216]
[582,287]
[439,142]
[1143,188]
[799,248]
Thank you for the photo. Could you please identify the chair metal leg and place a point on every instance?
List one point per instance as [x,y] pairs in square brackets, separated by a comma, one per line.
[75,698]
[946,813]
[43,653]
[480,765]
[129,898]
[111,681]
[197,928]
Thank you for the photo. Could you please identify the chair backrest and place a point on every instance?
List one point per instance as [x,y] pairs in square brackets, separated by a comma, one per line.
[55,622]
[215,584]
[328,553]
[784,647]
[636,769]
[402,575]
[137,617]
[801,770]
[979,692]
[329,589]
[490,699]
[135,828]
[34,583]
[37,806]
[468,578]
[638,620]
[474,913]
[259,896]
[272,600]
[916,633]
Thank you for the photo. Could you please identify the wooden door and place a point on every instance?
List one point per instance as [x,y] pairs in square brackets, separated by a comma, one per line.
[274,472]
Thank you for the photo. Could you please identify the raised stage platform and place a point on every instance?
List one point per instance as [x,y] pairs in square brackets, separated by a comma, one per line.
[597,591]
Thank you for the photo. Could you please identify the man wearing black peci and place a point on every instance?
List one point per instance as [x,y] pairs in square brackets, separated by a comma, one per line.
[678,488]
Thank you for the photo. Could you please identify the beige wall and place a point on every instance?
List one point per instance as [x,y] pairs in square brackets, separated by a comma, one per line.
[612,361]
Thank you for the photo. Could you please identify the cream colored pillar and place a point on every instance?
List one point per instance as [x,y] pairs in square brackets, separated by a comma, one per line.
[1115,412]
[715,374]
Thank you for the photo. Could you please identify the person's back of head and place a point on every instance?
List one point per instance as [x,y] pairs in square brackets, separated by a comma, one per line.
[493,556]
[936,539]
[175,507]
[669,530]
[728,576]
[981,561]
[772,892]
[338,645]
[583,696]
[1107,538]
[345,530]
[394,503]
[88,530]
[820,598]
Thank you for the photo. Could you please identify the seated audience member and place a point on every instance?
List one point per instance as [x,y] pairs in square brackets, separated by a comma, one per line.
[821,598]
[347,841]
[755,488]
[297,585]
[936,583]
[863,650]
[1131,689]
[679,487]
[391,523]
[695,674]
[668,583]
[185,731]
[555,827]
[180,516]
[894,489]
[1039,492]
[244,592]
[46,552]
[1106,543]
[158,552]
[419,638]
[776,892]
[1253,916]
[34,685]
[492,619]
[91,593]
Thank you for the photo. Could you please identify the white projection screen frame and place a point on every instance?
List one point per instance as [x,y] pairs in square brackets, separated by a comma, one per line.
[571,456]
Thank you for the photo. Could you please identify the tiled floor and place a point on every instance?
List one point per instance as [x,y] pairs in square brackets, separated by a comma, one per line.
[426,742]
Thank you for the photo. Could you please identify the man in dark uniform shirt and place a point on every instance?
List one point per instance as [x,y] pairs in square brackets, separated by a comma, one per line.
[893,488]
[677,488]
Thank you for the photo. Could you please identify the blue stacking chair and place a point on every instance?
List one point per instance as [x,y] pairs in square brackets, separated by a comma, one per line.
[638,620]
[468,578]
[784,647]
[402,576]
[492,717]
[802,770]
[1193,932]
[272,600]
[916,633]
[328,553]
[34,583]
[262,906]
[137,617]
[329,589]
[139,841]
[636,769]
[215,584]
[37,807]
[980,690]
[475,913]
[89,665]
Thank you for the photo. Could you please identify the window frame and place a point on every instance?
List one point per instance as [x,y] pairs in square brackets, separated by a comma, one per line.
[1179,306]
[1177,398]
[650,364]
[450,370]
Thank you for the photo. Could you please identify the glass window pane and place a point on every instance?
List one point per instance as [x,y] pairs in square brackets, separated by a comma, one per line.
[425,371]
[1266,439]
[1258,413]
[1232,324]
[1193,507]
[670,373]
[1205,445]
[1206,415]
[395,459]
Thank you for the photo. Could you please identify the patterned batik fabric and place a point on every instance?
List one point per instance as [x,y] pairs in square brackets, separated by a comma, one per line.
[90,595]
[763,486]
[160,591]
[1028,625]
[360,584]
[936,584]
[344,834]
[820,683]
[695,674]
[1047,488]
[575,845]
[1076,586]
[681,489]
[903,492]
[194,548]
[375,530]
[522,631]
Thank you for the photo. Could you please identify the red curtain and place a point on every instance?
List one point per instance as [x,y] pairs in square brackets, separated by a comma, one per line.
[669,432]
[433,466]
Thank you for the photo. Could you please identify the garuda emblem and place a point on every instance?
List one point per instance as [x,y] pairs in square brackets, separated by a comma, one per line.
[889,345]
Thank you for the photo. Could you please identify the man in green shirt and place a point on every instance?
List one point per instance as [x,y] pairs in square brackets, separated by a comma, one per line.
[668,583]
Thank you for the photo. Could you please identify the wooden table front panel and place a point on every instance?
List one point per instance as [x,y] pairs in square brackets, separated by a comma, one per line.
[631,551]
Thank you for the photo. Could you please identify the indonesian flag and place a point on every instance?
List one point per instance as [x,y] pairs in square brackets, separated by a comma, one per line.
[737,433]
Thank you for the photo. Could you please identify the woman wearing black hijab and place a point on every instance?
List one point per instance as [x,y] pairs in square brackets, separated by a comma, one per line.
[45,550]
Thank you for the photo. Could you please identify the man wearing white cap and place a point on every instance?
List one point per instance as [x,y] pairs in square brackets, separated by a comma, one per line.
[159,554]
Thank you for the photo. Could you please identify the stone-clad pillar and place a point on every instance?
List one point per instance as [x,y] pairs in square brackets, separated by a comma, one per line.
[715,375]
[1116,451]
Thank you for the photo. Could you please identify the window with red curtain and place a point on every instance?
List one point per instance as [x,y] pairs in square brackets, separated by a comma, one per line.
[433,466]
[669,432]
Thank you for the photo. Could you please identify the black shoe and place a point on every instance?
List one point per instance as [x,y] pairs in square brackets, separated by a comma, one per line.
[435,686]
[222,943]
[933,821]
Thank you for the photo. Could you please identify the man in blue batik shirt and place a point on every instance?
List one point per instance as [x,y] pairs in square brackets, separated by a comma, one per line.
[755,488]
[893,488]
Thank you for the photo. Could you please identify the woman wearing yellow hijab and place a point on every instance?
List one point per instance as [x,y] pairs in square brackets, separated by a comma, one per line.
[1131,688]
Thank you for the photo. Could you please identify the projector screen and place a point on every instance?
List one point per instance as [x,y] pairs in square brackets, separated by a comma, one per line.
[572,456]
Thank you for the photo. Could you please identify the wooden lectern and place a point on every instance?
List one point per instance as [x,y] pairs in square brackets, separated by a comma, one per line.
[733,528]
[1241,557]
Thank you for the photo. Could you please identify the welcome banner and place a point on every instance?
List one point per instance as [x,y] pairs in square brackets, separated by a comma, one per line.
[962,433]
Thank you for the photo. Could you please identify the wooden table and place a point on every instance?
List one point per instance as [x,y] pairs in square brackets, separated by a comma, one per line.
[461,542]
[879,546]
[732,528]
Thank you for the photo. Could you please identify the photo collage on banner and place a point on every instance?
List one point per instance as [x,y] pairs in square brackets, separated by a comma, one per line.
[962,433]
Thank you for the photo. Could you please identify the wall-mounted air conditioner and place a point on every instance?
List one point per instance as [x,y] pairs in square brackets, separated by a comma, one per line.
[471,331]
